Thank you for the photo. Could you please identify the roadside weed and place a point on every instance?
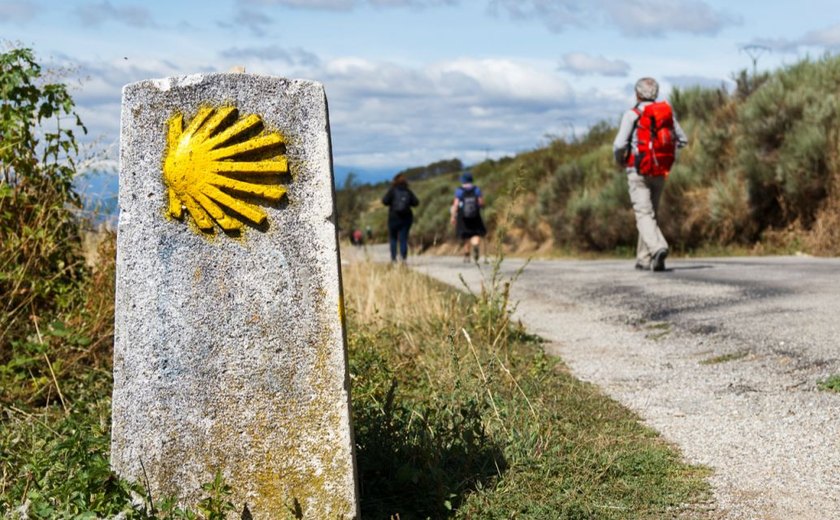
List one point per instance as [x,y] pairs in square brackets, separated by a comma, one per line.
[725,358]
[831,384]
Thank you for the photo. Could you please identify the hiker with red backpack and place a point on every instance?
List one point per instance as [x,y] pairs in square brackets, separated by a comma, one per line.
[646,145]
[465,215]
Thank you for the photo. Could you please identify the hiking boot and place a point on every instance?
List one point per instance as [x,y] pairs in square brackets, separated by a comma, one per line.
[658,261]
[642,267]
[475,254]
[466,257]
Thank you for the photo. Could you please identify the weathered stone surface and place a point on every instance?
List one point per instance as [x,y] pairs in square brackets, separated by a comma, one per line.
[229,350]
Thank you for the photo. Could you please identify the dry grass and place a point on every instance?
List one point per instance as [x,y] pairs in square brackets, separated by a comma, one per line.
[460,414]
[396,295]
[824,238]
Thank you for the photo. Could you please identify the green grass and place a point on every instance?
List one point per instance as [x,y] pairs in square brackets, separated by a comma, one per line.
[460,414]
[725,358]
[831,384]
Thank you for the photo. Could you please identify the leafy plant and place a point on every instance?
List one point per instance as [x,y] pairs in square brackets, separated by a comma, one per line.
[40,262]
[831,383]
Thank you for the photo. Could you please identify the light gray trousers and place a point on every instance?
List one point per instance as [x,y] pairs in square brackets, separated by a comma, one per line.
[645,192]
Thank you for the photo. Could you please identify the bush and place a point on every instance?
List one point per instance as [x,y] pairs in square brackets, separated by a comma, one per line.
[40,265]
[697,103]
[783,143]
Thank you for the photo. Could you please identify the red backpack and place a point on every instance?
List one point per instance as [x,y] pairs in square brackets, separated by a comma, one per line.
[655,138]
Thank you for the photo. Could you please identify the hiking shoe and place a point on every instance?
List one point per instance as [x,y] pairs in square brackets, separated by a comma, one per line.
[475,254]
[642,267]
[658,261]
[466,258]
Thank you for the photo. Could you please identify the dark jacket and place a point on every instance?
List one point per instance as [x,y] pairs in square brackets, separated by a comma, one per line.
[396,217]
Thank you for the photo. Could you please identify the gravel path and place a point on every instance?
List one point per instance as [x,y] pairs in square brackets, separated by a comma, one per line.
[722,356]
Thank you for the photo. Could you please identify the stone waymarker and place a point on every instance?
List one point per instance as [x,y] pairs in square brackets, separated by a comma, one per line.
[229,348]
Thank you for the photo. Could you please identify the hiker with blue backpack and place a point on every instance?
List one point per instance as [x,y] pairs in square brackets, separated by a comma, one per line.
[465,215]
[399,200]
[646,146]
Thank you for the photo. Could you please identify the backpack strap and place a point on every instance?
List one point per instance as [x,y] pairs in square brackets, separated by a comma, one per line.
[630,157]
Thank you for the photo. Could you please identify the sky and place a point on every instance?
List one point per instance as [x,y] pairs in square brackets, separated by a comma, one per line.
[410,82]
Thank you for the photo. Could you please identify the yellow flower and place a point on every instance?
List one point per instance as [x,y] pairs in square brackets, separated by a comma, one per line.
[205,162]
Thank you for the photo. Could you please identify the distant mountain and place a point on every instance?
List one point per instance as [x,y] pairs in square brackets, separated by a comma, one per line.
[362,175]
[99,191]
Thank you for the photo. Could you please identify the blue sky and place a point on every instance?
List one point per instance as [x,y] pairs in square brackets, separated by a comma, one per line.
[410,82]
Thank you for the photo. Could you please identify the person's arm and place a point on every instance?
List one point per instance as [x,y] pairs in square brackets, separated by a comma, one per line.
[479,196]
[389,196]
[453,211]
[414,200]
[682,139]
[621,144]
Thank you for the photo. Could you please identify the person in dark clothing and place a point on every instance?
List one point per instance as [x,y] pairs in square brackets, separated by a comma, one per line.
[399,200]
[465,214]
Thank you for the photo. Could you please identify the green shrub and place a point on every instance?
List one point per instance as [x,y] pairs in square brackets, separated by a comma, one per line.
[831,384]
[783,142]
[697,103]
[40,262]
[602,220]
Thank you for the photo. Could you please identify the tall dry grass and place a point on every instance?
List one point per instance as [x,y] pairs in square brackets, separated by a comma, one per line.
[397,295]
[458,413]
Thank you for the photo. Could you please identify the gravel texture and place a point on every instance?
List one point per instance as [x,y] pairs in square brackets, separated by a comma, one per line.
[722,356]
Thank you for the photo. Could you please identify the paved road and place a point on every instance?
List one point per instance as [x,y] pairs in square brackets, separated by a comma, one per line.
[722,356]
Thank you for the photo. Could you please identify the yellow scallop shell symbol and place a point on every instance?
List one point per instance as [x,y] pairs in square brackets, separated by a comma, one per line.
[216,161]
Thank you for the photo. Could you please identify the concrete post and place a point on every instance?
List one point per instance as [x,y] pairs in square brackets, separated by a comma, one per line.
[229,346]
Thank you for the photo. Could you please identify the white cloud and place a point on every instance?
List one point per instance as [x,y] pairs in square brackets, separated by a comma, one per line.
[557,15]
[294,56]
[331,5]
[410,3]
[384,114]
[18,11]
[637,18]
[772,44]
[96,14]
[255,21]
[687,81]
[582,64]
[365,79]
[507,80]
[347,5]
[651,18]
[828,37]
